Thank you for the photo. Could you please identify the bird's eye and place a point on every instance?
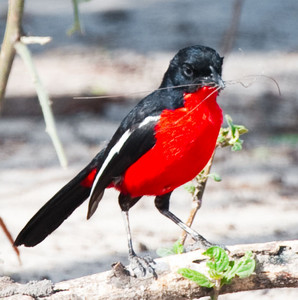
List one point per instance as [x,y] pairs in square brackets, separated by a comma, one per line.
[187,70]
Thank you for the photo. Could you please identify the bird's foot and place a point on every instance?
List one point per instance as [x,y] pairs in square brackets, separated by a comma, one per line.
[141,266]
[202,243]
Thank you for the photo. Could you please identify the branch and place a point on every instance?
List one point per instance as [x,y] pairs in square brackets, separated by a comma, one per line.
[13,42]
[11,240]
[44,101]
[76,27]
[41,40]
[197,196]
[230,35]
[229,136]
[12,34]
[277,267]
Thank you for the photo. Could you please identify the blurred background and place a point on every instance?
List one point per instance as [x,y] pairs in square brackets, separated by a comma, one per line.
[124,50]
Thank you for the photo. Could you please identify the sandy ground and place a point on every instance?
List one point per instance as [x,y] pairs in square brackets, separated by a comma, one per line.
[122,52]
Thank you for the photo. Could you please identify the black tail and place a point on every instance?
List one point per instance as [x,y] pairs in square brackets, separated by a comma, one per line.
[60,207]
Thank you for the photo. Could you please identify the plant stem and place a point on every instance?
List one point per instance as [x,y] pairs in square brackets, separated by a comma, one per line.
[44,101]
[12,35]
[76,27]
[197,197]
[215,291]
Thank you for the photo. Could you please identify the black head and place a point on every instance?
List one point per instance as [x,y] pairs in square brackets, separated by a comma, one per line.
[194,65]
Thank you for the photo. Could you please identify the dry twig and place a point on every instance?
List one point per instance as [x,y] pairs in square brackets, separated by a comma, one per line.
[44,101]
[14,41]
[277,267]
[11,240]
[12,35]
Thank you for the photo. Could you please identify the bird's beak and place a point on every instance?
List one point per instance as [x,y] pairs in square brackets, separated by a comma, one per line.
[216,79]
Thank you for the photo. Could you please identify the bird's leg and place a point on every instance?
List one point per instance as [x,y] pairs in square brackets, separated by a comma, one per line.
[140,266]
[128,233]
[162,203]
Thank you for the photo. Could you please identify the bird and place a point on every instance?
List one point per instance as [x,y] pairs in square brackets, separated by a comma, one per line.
[162,143]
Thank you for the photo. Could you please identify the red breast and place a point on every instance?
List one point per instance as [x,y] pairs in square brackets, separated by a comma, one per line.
[185,141]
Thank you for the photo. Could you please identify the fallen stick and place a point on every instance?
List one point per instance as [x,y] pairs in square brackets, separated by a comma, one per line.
[276,267]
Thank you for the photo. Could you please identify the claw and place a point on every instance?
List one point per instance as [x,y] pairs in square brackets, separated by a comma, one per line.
[142,266]
[202,243]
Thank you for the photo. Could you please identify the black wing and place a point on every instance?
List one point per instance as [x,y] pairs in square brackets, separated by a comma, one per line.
[150,106]
[129,148]
[134,137]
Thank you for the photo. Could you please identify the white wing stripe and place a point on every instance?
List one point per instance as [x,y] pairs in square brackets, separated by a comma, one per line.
[117,147]
[111,154]
[148,120]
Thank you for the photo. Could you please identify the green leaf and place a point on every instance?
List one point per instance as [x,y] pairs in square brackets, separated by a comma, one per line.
[230,136]
[241,129]
[219,260]
[230,124]
[246,265]
[222,136]
[178,248]
[190,188]
[199,278]
[242,268]
[229,274]
[237,145]
[216,177]
[221,270]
